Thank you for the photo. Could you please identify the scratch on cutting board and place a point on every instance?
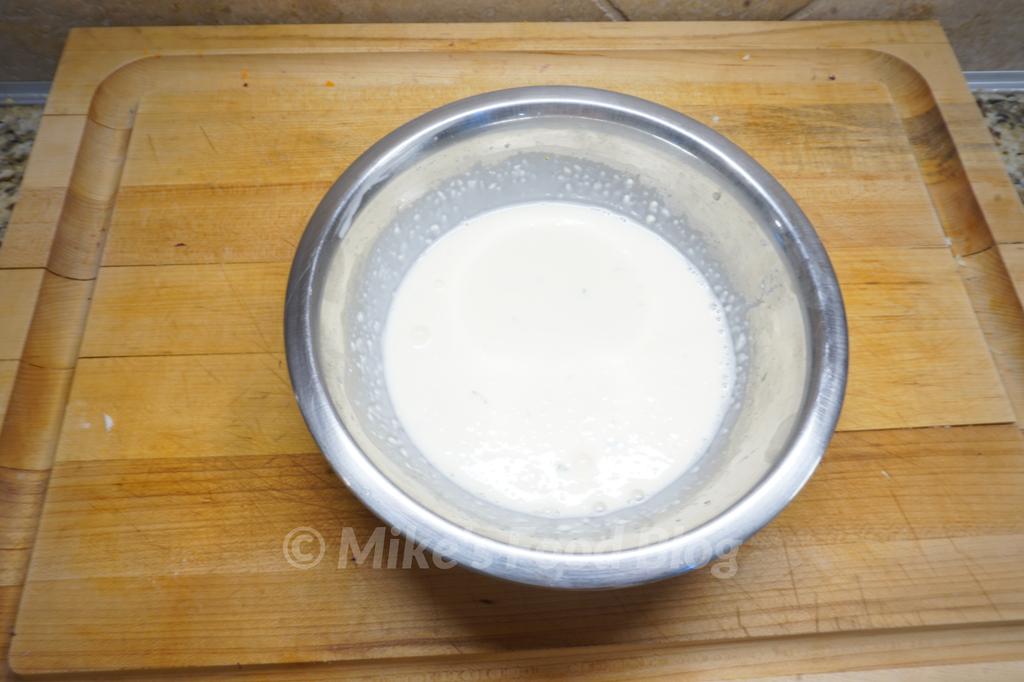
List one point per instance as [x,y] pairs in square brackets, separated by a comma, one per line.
[208,140]
[152,148]
[108,422]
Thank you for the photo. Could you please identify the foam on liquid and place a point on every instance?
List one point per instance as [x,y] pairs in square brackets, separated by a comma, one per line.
[557,359]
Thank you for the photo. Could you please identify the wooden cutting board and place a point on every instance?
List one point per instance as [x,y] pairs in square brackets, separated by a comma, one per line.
[153,460]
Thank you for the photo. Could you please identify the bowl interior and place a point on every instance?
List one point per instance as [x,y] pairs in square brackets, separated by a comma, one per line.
[703,211]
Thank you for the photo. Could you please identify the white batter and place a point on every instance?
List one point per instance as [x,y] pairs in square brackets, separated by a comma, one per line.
[557,359]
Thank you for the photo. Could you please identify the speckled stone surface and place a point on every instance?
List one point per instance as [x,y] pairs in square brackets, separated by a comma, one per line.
[18,126]
[1004,113]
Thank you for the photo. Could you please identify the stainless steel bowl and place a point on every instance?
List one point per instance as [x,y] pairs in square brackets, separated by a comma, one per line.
[715,203]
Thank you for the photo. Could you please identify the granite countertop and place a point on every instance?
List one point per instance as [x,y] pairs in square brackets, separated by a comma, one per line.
[1004,112]
[18,127]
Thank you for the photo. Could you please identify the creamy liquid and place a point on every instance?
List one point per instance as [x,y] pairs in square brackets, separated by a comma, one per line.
[557,359]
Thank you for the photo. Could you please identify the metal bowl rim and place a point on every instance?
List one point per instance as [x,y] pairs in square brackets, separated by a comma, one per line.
[817,287]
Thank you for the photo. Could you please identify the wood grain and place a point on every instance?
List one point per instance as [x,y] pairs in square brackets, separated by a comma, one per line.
[94,53]
[185,406]
[231,221]
[1000,315]
[181,459]
[907,654]
[911,323]
[187,310]
[8,369]
[898,528]
[1013,257]
[17,300]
